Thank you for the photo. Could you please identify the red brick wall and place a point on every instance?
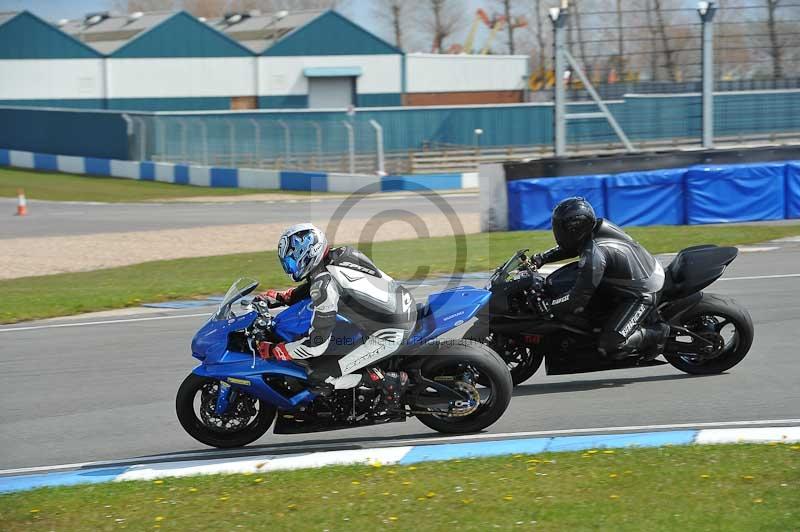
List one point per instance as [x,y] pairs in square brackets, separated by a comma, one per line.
[462,98]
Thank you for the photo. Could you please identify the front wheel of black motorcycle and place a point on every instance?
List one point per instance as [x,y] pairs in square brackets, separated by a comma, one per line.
[521,360]
[486,367]
[727,329]
[245,421]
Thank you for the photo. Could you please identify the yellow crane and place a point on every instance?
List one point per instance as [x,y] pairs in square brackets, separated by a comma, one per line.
[495,24]
[480,16]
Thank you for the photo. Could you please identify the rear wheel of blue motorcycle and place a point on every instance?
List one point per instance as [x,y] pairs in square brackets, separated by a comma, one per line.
[228,430]
[491,372]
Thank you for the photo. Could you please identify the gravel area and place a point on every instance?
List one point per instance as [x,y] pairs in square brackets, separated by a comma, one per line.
[24,257]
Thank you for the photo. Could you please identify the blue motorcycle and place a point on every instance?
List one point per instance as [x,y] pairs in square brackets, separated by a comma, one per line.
[233,397]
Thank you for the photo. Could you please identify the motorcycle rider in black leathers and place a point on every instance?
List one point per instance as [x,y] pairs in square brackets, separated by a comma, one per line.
[342,281]
[611,265]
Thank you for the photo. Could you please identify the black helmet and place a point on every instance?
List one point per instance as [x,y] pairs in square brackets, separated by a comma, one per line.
[573,222]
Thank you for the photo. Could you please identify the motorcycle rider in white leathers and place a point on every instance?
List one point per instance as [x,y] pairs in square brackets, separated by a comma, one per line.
[342,281]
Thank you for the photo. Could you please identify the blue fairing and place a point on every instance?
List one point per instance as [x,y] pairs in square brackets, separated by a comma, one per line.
[448,309]
[295,321]
[244,371]
[211,341]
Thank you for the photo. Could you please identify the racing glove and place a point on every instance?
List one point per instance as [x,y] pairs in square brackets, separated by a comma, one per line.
[537,260]
[267,350]
[276,298]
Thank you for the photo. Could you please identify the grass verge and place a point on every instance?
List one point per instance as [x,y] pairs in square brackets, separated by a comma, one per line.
[64,294]
[67,187]
[733,487]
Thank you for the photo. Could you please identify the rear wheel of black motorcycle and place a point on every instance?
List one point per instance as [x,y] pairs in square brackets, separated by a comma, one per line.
[246,421]
[723,321]
[495,394]
[521,360]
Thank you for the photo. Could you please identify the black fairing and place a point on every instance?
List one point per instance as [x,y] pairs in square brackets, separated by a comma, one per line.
[562,280]
[695,268]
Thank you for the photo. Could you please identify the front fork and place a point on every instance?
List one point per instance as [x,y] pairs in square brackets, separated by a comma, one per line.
[225,396]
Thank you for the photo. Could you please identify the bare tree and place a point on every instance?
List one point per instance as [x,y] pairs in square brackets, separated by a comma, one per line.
[205,8]
[541,41]
[216,8]
[439,20]
[620,38]
[775,47]
[575,18]
[661,28]
[394,12]
[509,7]
[653,44]
[132,6]
[271,6]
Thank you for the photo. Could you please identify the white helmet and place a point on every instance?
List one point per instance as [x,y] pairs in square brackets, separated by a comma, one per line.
[301,248]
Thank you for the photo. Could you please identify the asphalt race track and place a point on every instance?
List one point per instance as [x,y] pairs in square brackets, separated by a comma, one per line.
[105,391]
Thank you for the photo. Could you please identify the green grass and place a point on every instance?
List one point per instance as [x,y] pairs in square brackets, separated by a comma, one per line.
[71,293]
[731,488]
[67,187]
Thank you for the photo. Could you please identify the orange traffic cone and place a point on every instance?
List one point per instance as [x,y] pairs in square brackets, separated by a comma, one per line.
[22,204]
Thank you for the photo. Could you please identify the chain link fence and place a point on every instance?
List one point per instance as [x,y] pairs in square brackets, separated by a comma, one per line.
[644,60]
[233,140]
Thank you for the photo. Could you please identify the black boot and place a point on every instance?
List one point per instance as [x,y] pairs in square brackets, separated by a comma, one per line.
[391,383]
[648,340]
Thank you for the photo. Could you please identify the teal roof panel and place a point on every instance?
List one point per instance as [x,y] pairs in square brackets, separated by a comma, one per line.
[23,35]
[181,35]
[330,34]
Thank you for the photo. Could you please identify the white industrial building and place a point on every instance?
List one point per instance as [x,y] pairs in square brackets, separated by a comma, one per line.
[174,61]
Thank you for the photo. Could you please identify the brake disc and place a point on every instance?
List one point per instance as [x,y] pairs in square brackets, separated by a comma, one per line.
[464,408]
[238,415]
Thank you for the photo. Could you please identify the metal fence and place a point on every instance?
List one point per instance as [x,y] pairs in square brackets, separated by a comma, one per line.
[652,74]
[255,141]
[700,59]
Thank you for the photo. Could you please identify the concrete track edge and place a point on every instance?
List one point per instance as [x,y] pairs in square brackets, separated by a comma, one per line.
[401,455]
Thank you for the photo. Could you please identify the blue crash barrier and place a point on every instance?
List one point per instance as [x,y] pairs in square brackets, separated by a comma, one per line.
[695,195]
[531,201]
[735,193]
[793,190]
[646,198]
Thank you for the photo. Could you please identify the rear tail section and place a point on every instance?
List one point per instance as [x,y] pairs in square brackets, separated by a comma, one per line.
[448,309]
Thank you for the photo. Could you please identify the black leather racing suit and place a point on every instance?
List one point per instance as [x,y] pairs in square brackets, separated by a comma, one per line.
[617,265]
[348,283]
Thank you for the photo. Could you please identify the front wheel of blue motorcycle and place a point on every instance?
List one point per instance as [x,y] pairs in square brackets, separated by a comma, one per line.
[473,369]
[244,421]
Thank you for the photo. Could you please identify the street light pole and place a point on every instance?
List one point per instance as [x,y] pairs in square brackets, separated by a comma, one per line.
[477,143]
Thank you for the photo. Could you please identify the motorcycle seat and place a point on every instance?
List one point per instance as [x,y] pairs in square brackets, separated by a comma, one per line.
[696,267]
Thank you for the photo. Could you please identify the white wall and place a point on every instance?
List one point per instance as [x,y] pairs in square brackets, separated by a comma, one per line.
[33,79]
[465,73]
[180,77]
[282,76]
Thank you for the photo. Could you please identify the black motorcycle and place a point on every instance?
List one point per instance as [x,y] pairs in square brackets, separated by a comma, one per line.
[708,333]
